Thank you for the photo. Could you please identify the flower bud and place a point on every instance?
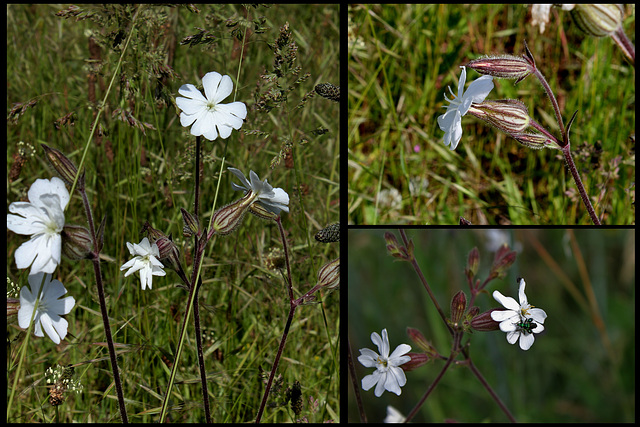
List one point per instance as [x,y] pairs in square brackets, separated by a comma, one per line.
[597,20]
[536,141]
[396,250]
[227,218]
[417,360]
[458,305]
[169,253]
[331,233]
[472,263]
[76,242]
[503,260]
[65,168]
[190,226]
[13,306]
[329,274]
[484,322]
[506,67]
[261,212]
[419,339]
[508,115]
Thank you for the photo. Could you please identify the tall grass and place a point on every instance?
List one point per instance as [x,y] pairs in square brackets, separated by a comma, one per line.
[139,168]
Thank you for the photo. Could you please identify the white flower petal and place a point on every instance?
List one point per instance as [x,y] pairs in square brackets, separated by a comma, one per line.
[461,82]
[188,119]
[526,341]
[211,83]
[508,325]
[512,336]
[370,380]
[401,350]
[191,92]
[207,116]
[537,314]
[507,302]
[224,131]
[479,89]
[502,315]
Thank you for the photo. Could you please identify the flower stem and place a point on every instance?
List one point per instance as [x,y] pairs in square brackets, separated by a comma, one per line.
[625,44]
[489,389]
[416,267]
[354,382]
[292,311]
[566,152]
[554,104]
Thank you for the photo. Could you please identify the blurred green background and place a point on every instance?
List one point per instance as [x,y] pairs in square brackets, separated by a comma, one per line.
[574,372]
[401,60]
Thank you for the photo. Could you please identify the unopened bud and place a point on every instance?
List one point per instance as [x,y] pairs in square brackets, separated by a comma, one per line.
[190,221]
[597,20]
[502,261]
[417,360]
[169,253]
[419,339]
[65,168]
[506,67]
[329,274]
[227,218]
[484,322]
[261,212]
[472,263]
[458,305]
[13,306]
[536,141]
[76,242]
[508,115]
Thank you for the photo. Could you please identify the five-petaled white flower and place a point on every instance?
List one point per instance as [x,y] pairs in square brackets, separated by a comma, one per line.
[451,121]
[388,376]
[43,219]
[519,320]
[272,199]
[50,307]
[146,260]
[210,116]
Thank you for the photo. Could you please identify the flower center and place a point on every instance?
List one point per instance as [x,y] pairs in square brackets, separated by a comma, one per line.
[211,106]
[383,362]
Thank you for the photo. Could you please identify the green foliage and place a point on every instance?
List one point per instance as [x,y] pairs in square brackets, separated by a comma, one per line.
[401,60]
[139,167]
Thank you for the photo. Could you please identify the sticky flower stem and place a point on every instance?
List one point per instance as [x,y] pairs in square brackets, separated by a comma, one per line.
[625,44]
[554,104]
[430,389]
[293,304]
[423,280]
[292,310]
[486,385]
[95,259]
[566,152]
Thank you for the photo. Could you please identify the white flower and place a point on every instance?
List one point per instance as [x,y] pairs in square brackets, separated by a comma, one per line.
[451,121]
[519,320]
[50,307]
[394,416]
[272,199]
[388,376]
[146,260]
[210,116]
[43,219]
